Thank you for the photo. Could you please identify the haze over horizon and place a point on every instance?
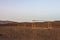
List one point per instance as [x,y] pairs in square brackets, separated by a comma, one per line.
[28,10]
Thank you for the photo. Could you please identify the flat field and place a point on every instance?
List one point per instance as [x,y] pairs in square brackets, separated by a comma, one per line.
[27,33]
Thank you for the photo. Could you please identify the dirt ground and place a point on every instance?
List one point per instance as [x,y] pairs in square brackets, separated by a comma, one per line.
[18,33]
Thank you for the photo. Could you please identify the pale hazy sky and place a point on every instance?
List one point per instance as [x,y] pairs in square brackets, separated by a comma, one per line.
[27,10]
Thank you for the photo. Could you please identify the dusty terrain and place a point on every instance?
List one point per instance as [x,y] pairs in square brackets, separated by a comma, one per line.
[13,33]
[27,32]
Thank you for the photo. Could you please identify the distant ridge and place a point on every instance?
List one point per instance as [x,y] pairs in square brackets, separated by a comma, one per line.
[13,22]
[7,22]
[30,24]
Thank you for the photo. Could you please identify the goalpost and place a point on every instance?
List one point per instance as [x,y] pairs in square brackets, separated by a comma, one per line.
[49,23]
